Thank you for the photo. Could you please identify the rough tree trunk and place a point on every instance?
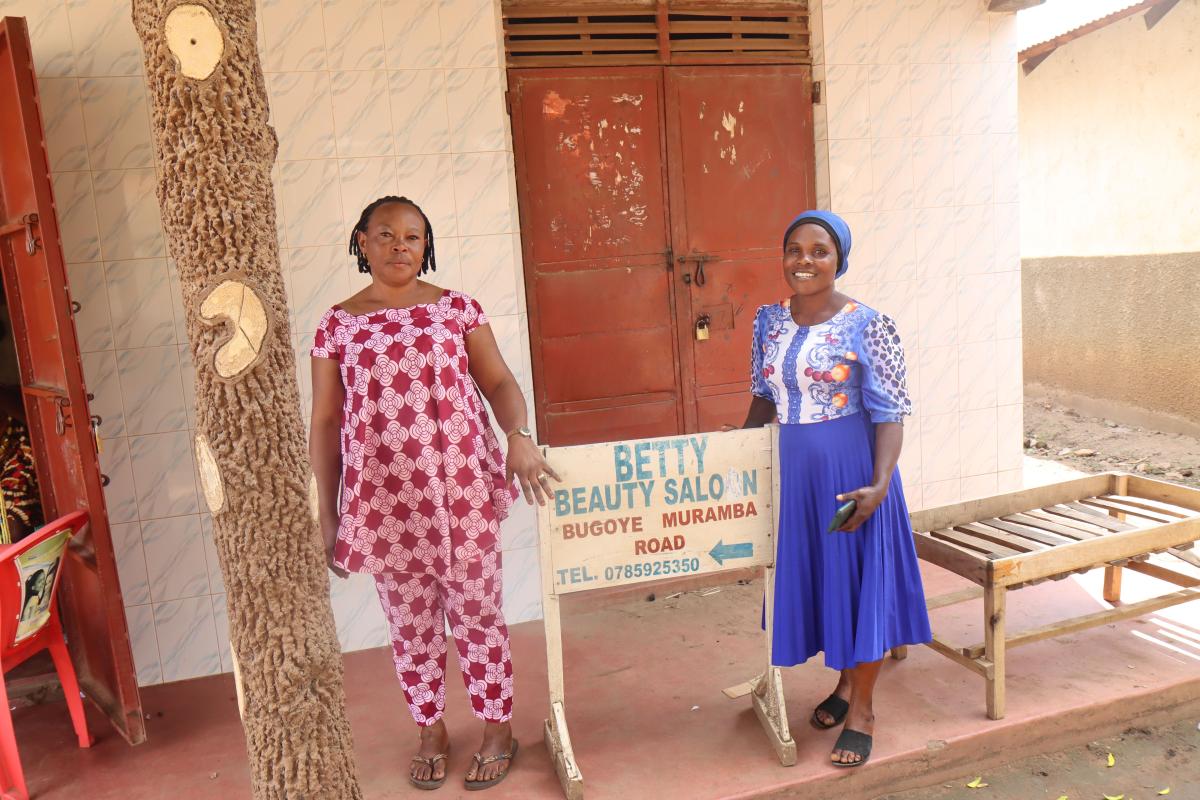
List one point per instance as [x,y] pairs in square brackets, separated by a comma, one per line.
[215,151]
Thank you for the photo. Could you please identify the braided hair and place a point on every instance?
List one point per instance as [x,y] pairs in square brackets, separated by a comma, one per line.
[428,261]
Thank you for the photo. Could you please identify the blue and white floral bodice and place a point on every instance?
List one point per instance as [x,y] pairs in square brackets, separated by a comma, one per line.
[852,363]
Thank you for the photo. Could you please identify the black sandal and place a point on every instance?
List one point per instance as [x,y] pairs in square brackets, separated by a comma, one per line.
[474,786]
[855,742]
[835,707]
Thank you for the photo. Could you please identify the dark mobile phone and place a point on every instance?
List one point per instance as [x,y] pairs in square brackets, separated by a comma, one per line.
[843,513]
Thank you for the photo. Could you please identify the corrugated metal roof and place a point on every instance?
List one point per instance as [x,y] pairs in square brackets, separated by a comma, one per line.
[1063,21]
[1057,17]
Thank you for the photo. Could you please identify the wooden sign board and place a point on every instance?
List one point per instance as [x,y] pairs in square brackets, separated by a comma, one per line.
[628,512]
[649,510]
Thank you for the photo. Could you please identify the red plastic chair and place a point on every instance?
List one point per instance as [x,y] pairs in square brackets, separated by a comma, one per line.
[29,623]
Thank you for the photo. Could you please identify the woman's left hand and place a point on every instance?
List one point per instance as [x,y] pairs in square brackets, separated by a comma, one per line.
[868,498]
[525,461]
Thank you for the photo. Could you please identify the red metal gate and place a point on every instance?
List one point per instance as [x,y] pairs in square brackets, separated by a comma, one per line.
[596,239]
[60,426]
[653,201]
[741,165]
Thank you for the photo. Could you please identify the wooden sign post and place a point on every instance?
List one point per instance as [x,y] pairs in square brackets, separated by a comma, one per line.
[637,511]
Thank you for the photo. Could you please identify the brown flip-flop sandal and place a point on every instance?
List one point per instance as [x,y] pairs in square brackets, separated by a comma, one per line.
[475,786]
[433,783]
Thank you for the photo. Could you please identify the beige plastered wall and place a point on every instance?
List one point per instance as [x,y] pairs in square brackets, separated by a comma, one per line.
[1110,245]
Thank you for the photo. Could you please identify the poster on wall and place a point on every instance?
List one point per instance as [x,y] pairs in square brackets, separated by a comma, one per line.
[37,569]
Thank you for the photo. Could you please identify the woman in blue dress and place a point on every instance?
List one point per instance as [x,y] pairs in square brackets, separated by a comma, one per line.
[831,371]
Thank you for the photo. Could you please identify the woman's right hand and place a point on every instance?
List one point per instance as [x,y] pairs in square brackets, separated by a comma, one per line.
[329,530]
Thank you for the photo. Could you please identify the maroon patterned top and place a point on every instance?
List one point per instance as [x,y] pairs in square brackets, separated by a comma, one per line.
[422,471]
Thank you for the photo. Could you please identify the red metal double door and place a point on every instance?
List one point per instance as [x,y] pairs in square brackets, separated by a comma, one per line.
[653,201]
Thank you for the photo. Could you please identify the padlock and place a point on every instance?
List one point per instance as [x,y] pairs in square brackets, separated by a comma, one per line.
[702,328]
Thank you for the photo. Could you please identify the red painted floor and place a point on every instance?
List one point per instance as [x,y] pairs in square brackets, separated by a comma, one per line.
[648,718]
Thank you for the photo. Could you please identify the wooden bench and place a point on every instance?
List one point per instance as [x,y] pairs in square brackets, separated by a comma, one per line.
[1114,521]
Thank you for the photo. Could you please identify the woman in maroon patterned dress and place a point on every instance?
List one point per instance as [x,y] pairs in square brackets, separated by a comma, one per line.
[411,481]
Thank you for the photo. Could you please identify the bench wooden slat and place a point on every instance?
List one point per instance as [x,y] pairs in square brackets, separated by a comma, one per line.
[963,562]
[1091,520]
[1151,505]
[1029,532]
[983,546]
[1000,537]
[1101,518]
[1128,510]
[1048,522]
[1095,552]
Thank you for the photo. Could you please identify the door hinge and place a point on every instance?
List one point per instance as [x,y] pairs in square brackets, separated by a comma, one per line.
[61,417]
[816,93]
[24,224]
[508,101]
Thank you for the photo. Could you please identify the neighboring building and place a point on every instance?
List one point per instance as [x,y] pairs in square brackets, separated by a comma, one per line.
[1110,197]
[914,140]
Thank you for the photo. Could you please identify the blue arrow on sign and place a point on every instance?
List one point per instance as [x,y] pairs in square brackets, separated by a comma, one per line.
[723,551]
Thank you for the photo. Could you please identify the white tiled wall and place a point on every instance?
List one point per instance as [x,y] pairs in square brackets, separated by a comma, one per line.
[368,97]
[916,145]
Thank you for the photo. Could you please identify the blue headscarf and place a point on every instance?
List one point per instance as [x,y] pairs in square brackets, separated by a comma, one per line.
[837,228]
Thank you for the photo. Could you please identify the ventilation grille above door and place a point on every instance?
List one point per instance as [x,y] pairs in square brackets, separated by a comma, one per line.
[541,34]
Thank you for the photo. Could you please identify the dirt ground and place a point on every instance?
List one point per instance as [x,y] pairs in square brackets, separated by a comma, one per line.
[1094,444]
[1145,762]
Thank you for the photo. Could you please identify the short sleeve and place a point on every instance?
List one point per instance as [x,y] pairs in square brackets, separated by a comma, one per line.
[324,343]
[758,379]
[472,316]
[884,385]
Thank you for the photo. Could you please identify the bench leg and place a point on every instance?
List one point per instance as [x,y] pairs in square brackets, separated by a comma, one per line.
[900,653]
[1112,584]
[993,646]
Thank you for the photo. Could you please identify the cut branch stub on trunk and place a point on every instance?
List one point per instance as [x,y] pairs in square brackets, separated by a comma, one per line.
[194,39]
[238,305]
[210,476]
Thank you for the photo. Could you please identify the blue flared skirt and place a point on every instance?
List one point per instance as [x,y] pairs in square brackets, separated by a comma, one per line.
[851,595]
